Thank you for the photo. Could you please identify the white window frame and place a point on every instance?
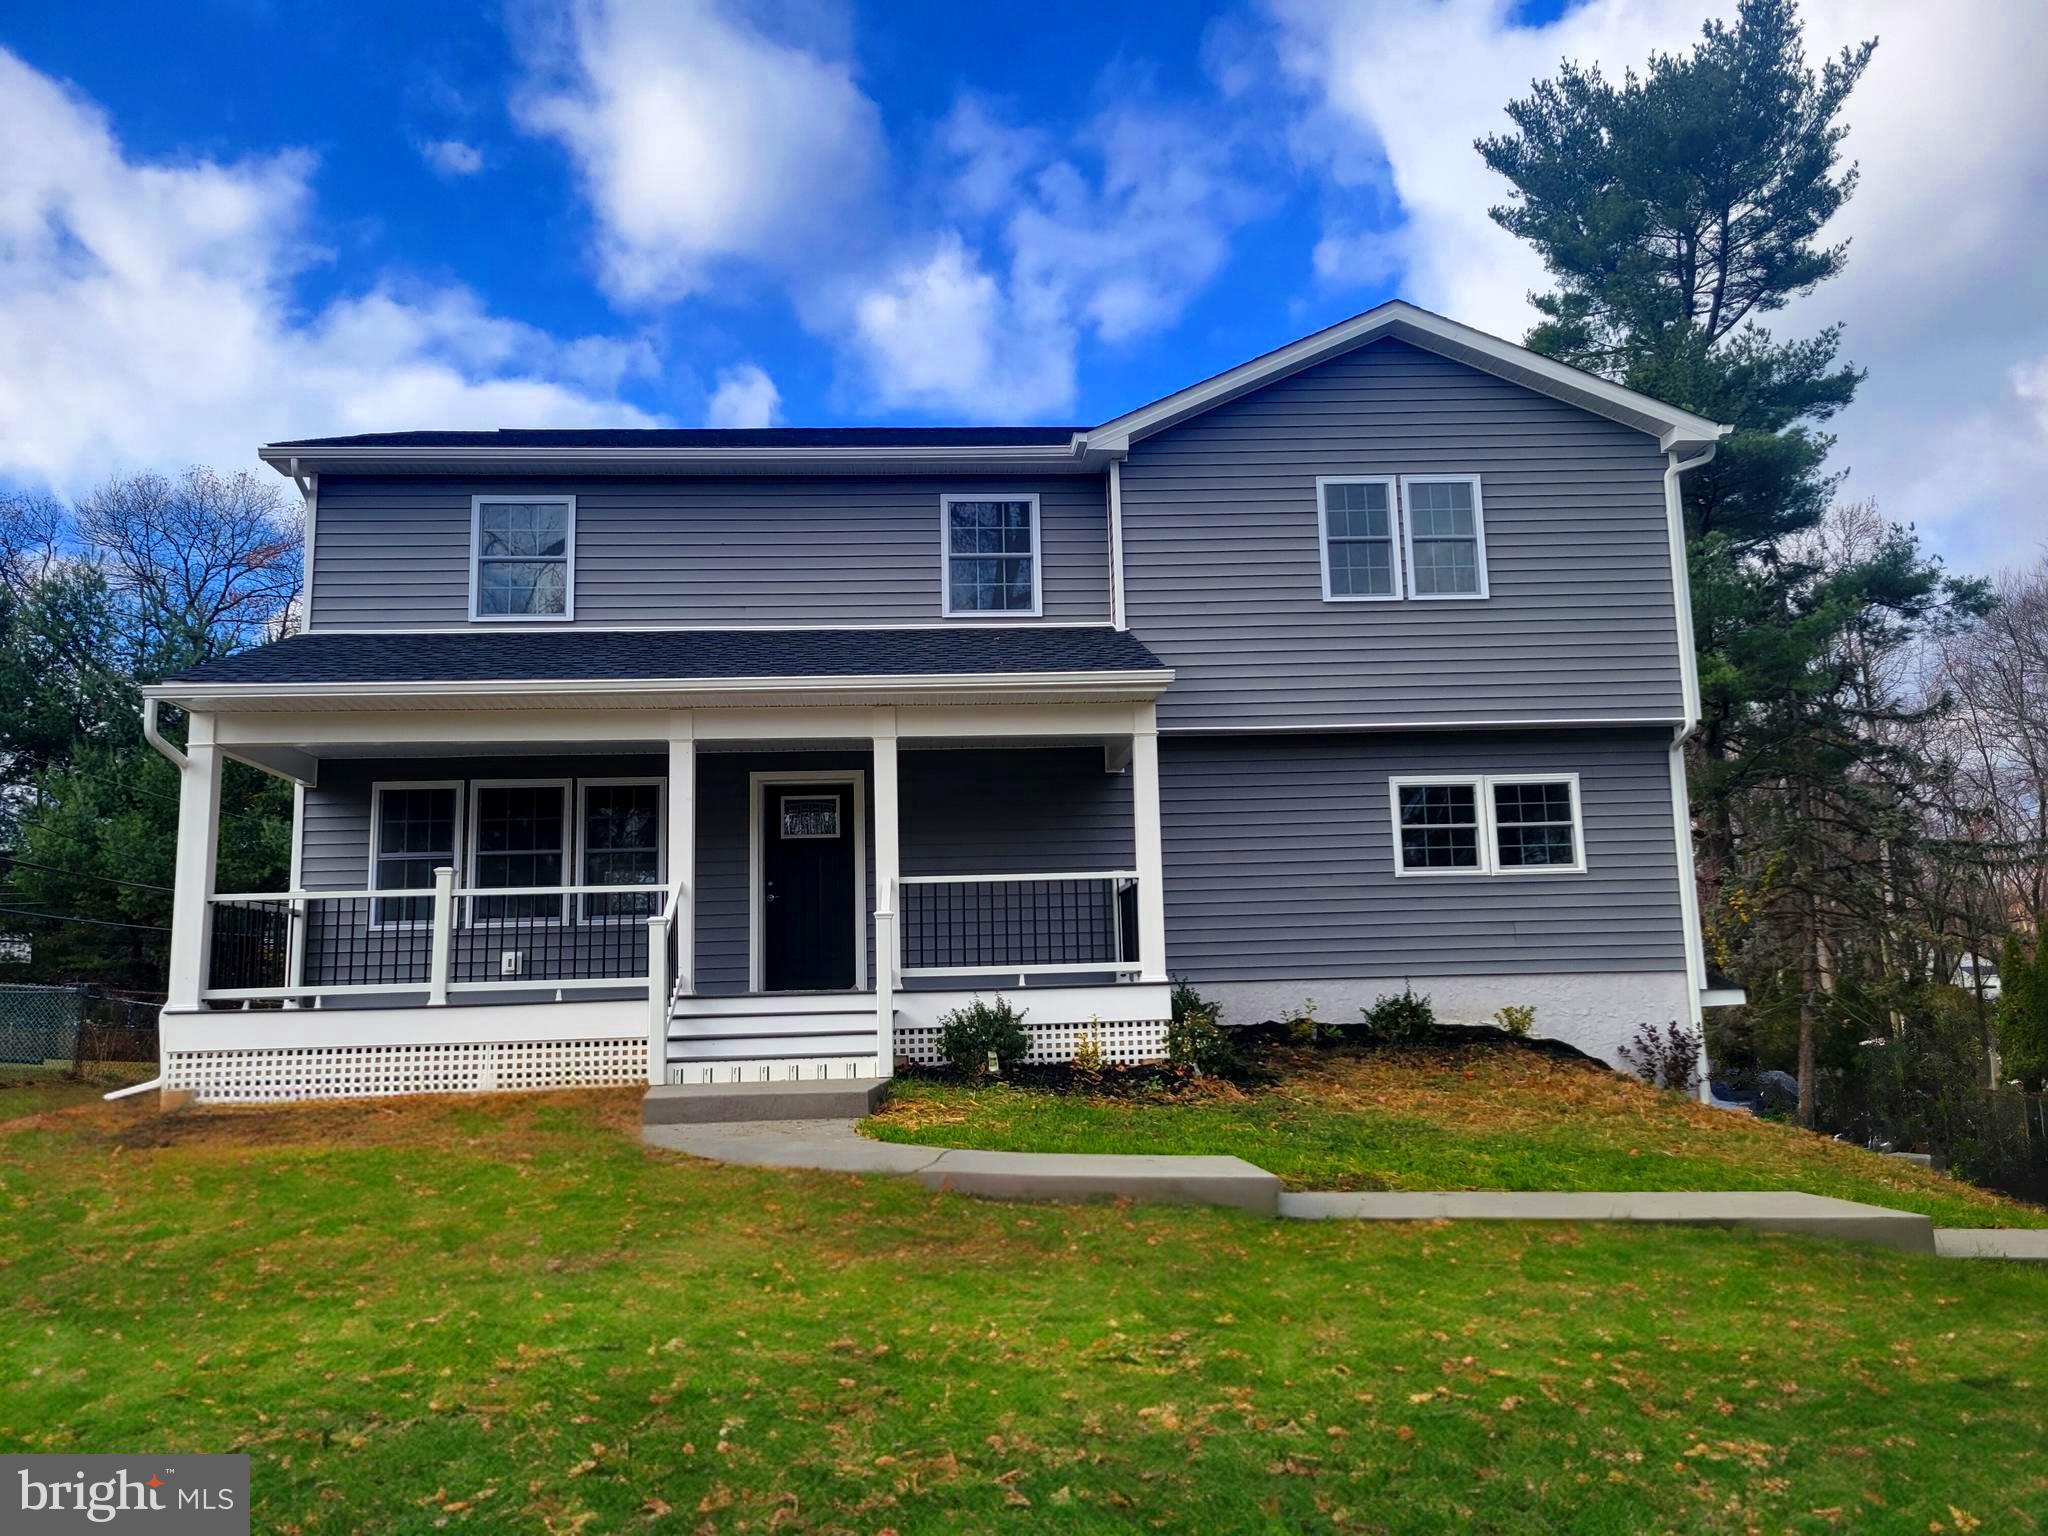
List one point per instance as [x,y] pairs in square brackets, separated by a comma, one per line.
[580,841]
[476,558]
[377,789]
[946,608]
[1394,548]
[477,786]
[1482,785]
[1478,539]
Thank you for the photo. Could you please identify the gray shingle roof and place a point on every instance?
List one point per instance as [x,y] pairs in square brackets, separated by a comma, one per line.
[708,437]
[663,655]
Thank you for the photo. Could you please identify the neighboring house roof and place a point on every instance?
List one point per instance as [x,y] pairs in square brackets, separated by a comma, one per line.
[881,450]
[674,656]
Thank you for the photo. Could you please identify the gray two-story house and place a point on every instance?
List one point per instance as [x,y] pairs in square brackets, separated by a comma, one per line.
[702,756]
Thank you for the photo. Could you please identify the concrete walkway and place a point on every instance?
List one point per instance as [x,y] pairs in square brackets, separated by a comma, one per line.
[835,1146]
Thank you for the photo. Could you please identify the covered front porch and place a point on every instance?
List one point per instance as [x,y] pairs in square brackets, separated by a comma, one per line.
[490,896]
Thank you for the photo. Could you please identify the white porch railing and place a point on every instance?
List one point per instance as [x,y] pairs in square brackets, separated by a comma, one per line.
[442,942]
[667,977]
[1060,923]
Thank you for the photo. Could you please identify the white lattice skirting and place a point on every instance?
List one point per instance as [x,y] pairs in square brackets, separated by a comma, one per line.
[1122,1044]
[374,1071]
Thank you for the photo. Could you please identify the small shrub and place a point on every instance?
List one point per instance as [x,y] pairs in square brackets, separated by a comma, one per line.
[1304,1028]
[1399,1020]
[1195,1041]
[1666,1059]
[1088,1049]
[1516,1019]
[969,1036]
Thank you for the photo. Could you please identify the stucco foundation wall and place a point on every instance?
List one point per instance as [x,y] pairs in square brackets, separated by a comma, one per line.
[1596,1012]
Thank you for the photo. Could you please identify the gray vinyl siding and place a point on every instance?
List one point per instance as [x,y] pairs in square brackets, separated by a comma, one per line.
[1222,567]
[394,553]
[1279,860]
[969,811]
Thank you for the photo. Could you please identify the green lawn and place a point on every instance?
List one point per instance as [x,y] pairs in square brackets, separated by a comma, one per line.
[505,1315]
[1472,1118]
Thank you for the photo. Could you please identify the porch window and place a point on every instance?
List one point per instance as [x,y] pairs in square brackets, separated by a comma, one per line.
[412,834]
[524,557]
[1358,539]
[519,836]
[990,554]
[1446,536]
[622,845]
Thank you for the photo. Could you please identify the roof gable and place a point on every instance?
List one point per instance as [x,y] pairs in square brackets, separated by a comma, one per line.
[1674,429]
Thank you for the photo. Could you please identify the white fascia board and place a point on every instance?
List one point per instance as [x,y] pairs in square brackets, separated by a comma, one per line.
[467,691]
[1674,428]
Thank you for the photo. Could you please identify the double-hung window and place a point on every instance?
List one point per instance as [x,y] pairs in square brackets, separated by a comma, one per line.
[621,821]
[519,837]
[989,550]
[523,557]
[1478,824]
[1359,550]
[1389,537]
[1446,536]
[413,831]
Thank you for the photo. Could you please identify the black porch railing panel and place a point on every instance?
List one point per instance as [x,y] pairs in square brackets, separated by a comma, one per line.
[527,938]
[365,941]
[251,944]
[1022,922]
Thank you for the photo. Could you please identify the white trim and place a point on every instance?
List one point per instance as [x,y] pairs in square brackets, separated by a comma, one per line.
[1434,333]
[1478,538]
[946,500]
[1538,722]
[455,827]
[1041,456]
[408,1024]
[1323,482]
[309,491]
[758,781]
[582,843]
[1487,828]
[568,613]
[473,891]
[1688,880]
[1118,614]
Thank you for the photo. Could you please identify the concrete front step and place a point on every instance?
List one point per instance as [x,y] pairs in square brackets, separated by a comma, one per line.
[846,1098]
[1749,1210]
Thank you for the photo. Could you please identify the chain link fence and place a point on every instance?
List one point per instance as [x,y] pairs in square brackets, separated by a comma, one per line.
[83,1032]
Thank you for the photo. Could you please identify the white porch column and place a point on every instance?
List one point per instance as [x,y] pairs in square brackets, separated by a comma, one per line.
[682,842]
[888,865]
[198,850]
[1146,843]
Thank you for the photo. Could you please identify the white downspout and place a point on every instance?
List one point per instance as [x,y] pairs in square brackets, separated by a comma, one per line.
[1681,805]
[177,760]
[1117,613]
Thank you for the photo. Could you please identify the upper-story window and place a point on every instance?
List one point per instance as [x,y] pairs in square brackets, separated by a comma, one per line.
[1387,537]
[990,549]
[1479,824]
[523,557]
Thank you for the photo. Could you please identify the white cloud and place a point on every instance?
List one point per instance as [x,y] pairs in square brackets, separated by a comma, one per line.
[1109,242]
[938,333]
[701,139]
[744,397]
[147,315]
[1942,298]
[452,157]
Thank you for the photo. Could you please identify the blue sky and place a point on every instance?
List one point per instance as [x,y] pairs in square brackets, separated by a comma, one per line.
[242,221]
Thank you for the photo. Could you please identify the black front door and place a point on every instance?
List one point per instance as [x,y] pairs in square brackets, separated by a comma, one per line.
[808,898]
